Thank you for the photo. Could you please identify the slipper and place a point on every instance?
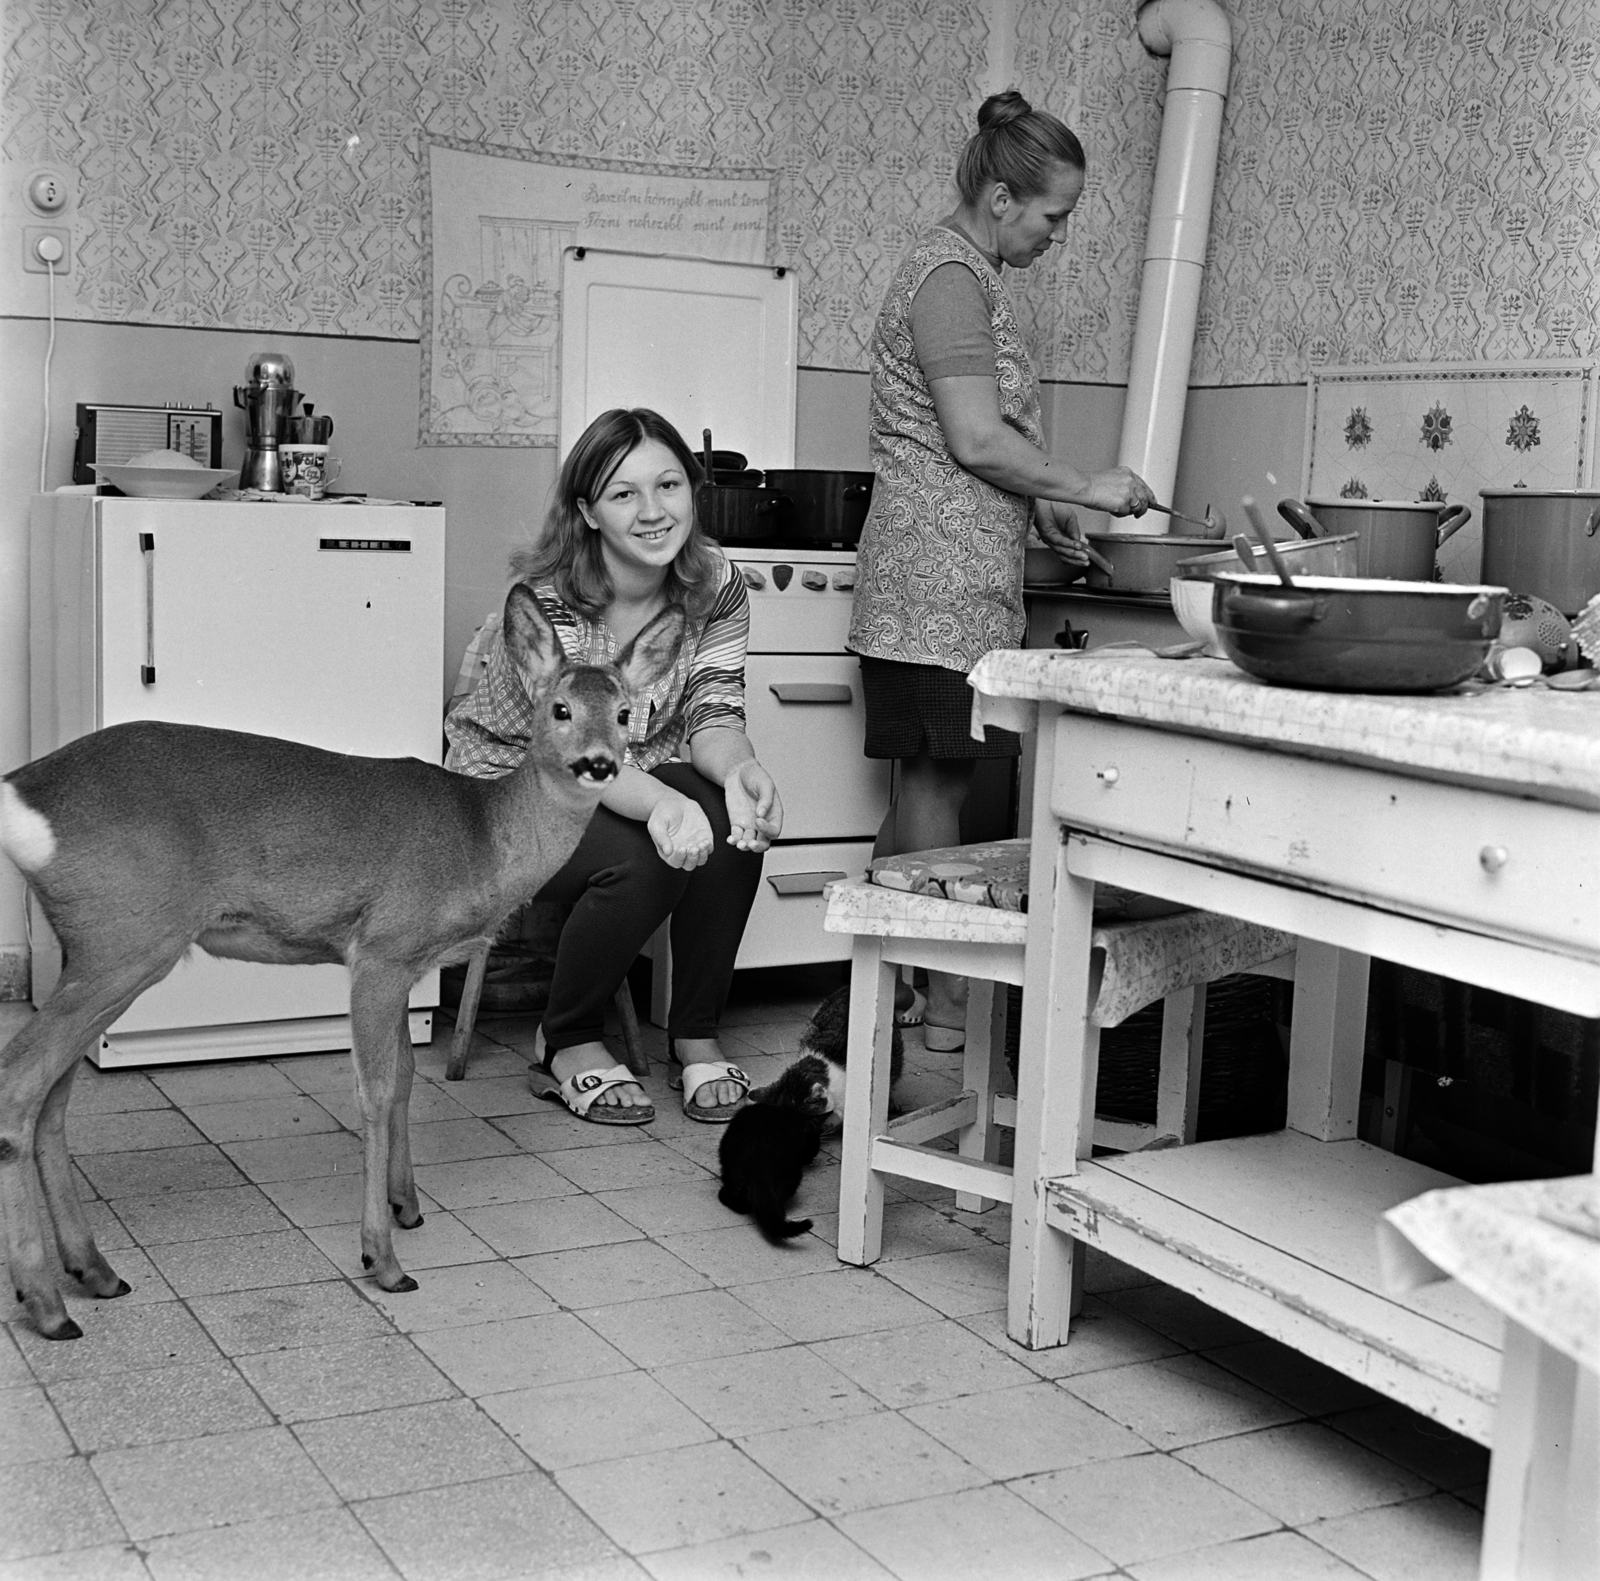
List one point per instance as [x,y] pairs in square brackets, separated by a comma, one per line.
[691,1078]
[911,1016]
[579,1092]
[943,1040]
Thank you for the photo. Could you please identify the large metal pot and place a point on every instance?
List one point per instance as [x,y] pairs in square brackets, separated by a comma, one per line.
[1399,538]
[1351,634]
[1141,562]
[1545,542]
[829,507]
[743,515]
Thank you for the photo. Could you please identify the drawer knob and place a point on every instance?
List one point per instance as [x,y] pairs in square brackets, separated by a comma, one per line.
[1493,857]
[1108,776]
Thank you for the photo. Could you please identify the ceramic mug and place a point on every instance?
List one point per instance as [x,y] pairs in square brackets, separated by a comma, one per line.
[308,470]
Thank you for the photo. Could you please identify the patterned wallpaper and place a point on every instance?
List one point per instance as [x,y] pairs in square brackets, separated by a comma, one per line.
[1402,180]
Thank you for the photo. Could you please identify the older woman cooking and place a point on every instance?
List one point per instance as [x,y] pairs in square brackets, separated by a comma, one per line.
[962,469]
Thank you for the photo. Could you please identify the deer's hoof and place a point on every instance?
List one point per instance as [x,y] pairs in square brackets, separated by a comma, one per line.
[65,1329]
[123,1289]
[402,1286]
[400,1212]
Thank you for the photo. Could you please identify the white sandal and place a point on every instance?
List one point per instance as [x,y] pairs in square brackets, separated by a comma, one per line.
[579,1092]
[691,1078]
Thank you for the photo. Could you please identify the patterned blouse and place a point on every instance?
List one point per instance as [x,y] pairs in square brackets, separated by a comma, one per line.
[939,572]
[490,729]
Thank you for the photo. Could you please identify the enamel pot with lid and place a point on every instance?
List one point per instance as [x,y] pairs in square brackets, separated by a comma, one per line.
[1141,562]
[1545,542]
[827,506]
[1399,538]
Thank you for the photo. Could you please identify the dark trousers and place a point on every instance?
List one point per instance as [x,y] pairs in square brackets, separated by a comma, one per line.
[621,891]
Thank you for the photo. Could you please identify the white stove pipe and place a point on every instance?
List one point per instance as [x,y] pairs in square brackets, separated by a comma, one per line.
[1195,34]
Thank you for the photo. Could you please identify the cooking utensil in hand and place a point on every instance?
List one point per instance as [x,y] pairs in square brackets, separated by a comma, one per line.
[1210,526]
[1263,532]
[1096,558]
[1245,550]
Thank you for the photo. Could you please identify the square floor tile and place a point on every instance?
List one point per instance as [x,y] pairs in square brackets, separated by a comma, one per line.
[158,1170]
[211,1481]
[520,1353]
[241,1262]
[227,1081]
[740,1254]
[298,1157]
[956,1283]
[1014,1432]
[681,1496]
[516,1526]
[119,1338]
[125,1409]
[30,1430]
[861,1462]
[650,1164]
[493,1096]
[931,1361]
[1304,1472]
[121,1133]
[550,1129]
[96,1091]
[322,1199]
[344,1378]
[1142,1507]
[199,1215]
[1279,1556]
[814,1551]
[1179,1400]
[520,1229]
[449,1298]
[829,1305]
[318,1072]
[589,1419]
[408,1447]
[51,1505]
[440,1241]
[1181,1317]
[765,1389]
[1305,1384]
[14,1371]
[1100,1337]
[249,1321]
[692,1327]
[449,1141]
[312,1545]
[1446,1459]
[106,1562]
[669,1210]
[1432,1539]
[428,1103]
[256,1119]
[594,1276]
[483,1182]
[959,1536]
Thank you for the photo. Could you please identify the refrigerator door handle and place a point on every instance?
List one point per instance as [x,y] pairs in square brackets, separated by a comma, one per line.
[147,549]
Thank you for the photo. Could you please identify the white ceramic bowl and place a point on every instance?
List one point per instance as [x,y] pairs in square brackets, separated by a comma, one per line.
[165,483]
[1191,603]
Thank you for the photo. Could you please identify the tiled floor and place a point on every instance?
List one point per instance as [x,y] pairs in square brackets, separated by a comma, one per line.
[605,1374]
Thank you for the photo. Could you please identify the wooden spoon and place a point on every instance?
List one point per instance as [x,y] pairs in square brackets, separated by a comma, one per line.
[1264,533]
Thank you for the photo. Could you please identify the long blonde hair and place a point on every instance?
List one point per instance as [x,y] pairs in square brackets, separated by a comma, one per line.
[570,555]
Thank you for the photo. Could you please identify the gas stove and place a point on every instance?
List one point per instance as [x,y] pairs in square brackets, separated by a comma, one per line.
[799,598]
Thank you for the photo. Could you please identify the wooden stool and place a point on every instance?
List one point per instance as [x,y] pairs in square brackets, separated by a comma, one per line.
[467,1014]
[985,945]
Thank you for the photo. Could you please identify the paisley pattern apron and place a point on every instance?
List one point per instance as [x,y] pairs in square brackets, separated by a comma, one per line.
[939,567]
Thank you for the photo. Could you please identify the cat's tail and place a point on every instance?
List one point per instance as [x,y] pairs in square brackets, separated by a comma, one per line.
[770,1211]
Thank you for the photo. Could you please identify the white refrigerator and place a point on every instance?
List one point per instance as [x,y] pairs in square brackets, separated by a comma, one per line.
[322,623]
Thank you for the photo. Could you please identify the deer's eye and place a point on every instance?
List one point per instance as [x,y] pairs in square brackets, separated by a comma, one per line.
[624,715]
[561,711]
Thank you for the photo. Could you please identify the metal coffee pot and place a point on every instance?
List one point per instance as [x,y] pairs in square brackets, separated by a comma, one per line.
[267,397]
[308,430]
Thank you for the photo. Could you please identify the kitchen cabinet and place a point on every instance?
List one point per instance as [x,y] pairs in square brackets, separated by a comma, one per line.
[320,623]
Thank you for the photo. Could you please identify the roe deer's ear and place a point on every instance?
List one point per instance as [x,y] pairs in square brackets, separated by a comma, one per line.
[654,651]
[530,639]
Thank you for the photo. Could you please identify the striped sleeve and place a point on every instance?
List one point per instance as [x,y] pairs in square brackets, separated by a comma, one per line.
[713,694]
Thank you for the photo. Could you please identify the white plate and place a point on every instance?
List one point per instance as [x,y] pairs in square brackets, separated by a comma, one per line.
[166,483]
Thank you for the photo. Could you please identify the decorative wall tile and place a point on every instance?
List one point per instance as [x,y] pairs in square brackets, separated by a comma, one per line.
[1401,180]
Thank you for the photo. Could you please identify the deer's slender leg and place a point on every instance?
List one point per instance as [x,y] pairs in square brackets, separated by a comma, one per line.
[377,995]
[79,1255]
[402,1182]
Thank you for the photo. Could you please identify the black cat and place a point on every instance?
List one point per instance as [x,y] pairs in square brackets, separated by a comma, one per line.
[768,1144]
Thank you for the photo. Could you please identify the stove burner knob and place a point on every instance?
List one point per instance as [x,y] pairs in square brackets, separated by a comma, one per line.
[781,575]
[752,577]
[844,581]
[817,581]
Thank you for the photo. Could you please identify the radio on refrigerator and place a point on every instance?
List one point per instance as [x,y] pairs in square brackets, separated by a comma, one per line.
[111,433]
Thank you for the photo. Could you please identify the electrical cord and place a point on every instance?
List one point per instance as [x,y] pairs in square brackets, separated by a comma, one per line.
[49,352]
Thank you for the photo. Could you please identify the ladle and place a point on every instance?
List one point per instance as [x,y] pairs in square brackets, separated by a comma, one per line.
[1211,526]
[1257,521]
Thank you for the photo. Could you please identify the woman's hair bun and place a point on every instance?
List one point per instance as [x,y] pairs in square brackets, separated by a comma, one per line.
[1001,108]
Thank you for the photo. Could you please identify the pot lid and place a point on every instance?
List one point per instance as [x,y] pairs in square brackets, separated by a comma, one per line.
[1151,538]
[1379,505]
[1540,494]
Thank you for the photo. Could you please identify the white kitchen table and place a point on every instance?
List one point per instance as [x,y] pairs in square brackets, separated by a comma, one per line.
[1458,834]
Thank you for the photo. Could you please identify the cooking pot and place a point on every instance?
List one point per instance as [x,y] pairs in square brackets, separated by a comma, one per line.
[828,507]
[1545,542]
[1141,562]
[1355,634]
[743,515]
[1309,556]
[1398,537]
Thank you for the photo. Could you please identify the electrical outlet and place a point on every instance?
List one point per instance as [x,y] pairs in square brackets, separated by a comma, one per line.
[32,235]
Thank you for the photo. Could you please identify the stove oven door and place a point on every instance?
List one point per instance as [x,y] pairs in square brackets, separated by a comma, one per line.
[806,719]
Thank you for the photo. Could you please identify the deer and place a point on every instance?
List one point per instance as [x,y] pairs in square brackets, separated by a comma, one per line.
[144,839]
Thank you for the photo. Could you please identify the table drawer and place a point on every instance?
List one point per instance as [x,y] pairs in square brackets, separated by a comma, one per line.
[1480,859]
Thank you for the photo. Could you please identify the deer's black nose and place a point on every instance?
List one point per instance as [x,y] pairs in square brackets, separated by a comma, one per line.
[600,767]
